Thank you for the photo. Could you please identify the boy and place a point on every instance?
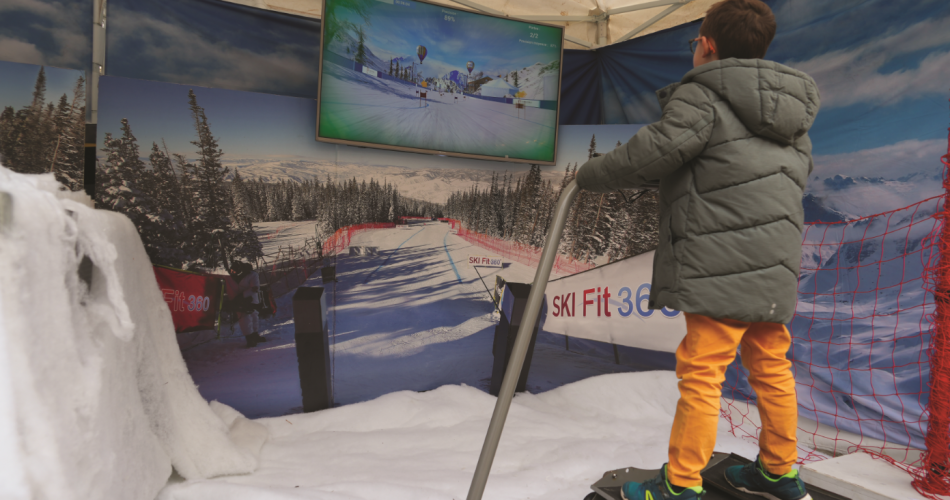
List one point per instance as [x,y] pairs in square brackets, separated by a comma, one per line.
[731,154]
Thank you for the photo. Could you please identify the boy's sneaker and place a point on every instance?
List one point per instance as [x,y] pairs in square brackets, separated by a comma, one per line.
[752,478]
[658,488]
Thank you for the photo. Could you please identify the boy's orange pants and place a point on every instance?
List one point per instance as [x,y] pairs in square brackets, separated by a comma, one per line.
[701,361]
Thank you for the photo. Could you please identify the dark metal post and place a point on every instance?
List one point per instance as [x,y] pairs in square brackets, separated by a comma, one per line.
[513,371]
[512,315]
[313,348]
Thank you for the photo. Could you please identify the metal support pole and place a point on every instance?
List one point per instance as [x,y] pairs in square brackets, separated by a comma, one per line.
[98,58]
[532,308]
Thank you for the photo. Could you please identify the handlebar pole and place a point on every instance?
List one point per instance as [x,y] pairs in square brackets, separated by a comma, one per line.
[523,339]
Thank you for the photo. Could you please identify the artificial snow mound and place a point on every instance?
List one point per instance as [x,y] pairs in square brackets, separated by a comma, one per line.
[95,398]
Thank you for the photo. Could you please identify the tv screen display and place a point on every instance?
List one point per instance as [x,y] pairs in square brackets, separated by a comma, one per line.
[419,77]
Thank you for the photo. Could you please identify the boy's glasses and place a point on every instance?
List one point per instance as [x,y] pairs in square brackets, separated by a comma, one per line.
[692,49]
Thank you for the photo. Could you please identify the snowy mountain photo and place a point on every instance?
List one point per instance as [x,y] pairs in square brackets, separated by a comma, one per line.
[429,184]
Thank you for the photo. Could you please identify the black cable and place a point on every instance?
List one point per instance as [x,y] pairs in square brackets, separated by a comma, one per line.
[635,198]
[492,297]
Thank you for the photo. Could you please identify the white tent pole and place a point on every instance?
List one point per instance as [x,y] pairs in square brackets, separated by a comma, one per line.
[643,6]
[669,10]
[477,6]
[578,41]
[554,19]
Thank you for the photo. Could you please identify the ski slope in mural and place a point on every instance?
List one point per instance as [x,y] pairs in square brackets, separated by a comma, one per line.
[414,316]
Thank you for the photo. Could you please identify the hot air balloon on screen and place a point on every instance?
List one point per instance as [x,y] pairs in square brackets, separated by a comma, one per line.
[470,66]
[421,52]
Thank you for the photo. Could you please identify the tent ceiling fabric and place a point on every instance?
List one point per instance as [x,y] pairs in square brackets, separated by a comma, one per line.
[584,32]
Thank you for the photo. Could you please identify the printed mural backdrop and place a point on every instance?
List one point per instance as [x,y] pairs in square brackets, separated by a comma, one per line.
[206,130]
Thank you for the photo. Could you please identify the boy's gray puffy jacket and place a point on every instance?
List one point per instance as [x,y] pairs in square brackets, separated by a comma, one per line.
[732,155]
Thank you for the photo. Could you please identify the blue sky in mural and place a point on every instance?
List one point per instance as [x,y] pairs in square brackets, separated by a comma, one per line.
[50,32]
[16,86]
[247,124]
[883,70]
[213,44]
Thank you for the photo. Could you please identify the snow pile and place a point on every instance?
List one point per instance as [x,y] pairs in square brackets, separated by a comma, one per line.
[409,445]
[95,399]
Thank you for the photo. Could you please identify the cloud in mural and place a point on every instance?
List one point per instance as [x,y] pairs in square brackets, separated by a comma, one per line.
[860,74]
[176,52]
[19,51]
[891,161]
[57,33]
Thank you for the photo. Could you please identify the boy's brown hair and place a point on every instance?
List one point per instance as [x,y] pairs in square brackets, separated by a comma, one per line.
[741,28]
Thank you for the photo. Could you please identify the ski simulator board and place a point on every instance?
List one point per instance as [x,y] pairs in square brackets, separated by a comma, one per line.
[608,487]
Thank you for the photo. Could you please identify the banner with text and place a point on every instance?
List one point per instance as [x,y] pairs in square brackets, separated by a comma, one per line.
[193,298]
[609,304]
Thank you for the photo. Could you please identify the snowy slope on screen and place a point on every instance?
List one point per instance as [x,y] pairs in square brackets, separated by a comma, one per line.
[413,446]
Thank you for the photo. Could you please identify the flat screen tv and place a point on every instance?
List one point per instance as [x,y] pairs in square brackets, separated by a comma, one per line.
[419,77]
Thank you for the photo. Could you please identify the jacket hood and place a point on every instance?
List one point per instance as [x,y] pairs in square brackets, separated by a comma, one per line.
[772,100]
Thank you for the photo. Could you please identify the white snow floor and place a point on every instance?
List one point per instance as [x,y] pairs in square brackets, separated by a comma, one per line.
[415,446]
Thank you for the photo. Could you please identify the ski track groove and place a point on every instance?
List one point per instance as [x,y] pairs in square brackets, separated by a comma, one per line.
[450,256]
[391,255]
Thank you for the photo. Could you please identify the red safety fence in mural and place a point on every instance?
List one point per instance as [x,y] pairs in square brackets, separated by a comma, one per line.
[341,238]
[194,299]
[513,251]
[870,352]
[933,476]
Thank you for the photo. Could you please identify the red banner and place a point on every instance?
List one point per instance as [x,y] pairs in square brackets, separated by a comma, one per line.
[194,299]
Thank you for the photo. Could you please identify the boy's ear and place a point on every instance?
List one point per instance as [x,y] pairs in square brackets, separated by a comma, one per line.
[710,47]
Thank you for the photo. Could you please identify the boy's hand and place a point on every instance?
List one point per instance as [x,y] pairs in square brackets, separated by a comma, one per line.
[586,177]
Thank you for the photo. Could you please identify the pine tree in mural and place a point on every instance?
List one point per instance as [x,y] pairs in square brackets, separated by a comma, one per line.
[298,211]
[125,185]
[10,127]
[360,47]
[213,226]
[171,212]
[69,157]
[34,140]
[46,137]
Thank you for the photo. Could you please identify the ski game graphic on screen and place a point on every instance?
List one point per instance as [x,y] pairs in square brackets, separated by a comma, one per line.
[414,76]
